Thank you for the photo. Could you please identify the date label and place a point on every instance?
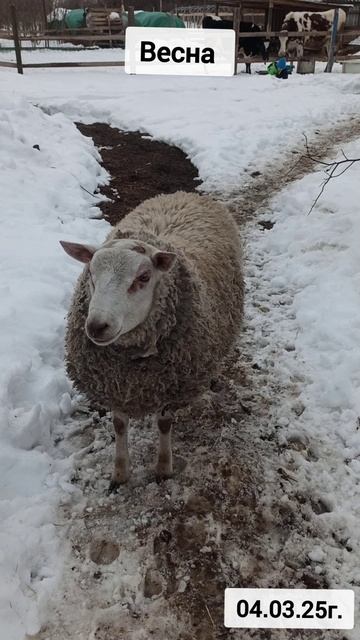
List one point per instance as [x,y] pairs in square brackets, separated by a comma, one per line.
[289,608]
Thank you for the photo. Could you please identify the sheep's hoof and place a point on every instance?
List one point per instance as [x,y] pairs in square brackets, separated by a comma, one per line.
[114,486]
[161,479]
[163,472]
[120,476]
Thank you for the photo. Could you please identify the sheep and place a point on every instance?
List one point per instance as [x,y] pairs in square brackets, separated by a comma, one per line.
[156,309]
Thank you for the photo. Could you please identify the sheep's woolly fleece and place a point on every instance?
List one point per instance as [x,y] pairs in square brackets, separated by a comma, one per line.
[195,316]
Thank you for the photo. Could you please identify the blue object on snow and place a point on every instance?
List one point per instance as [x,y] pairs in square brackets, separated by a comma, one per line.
[281,64]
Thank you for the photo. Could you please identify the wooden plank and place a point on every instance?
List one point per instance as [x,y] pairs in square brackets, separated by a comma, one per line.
[106,10]
[290,34]
[346,58]
[306,5]
[68,36]
[80,30]
[47,65]
[12,65]
[17,42]
[61,35]
[274,58]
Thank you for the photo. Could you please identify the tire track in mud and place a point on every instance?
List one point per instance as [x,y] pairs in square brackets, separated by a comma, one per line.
[153,561]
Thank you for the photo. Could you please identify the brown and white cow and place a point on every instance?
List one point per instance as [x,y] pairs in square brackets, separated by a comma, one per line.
[303,21]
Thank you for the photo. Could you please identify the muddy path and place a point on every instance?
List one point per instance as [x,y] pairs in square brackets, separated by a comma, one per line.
[153,560]
[140,168]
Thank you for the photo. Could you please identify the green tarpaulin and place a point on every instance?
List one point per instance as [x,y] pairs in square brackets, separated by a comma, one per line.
[71,19]
[157,19]
[75,19]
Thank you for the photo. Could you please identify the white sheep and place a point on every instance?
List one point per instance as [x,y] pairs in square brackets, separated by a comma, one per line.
[155,310]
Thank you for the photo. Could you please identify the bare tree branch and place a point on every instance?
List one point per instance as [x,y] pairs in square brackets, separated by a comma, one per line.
[333,169]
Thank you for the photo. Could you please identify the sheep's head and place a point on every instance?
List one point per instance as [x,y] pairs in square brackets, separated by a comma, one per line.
[123,275]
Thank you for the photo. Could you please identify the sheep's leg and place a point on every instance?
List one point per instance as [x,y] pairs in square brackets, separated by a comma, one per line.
[164,465]
[121,470]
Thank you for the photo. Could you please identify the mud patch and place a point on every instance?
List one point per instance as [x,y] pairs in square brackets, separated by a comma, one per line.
[140,168]
[103,551]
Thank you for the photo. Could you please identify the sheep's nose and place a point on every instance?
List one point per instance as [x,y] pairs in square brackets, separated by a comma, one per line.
[97,329]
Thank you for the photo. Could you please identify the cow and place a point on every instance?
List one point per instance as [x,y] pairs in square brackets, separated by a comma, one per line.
[303,21]
[251,46]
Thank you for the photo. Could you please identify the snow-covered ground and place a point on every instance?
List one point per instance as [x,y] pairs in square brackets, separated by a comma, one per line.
[308,272]
[41,201]
[229,127]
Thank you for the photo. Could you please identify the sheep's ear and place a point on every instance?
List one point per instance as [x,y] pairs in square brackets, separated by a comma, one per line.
[81,252]
[163,260]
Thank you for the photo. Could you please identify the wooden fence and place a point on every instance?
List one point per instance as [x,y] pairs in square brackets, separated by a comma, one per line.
[86,37]
[64,36]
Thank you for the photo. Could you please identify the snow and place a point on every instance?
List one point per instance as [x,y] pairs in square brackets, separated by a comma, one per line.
[317,554]
[229,127]
[58,13]
[42,201]
[310,264]
[114,15]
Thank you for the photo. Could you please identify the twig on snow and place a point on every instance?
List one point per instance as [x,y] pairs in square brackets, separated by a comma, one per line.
[333,169]
[330,168]
[94,195]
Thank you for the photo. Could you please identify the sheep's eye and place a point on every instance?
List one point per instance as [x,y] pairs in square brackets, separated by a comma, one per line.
[140,281]
[138,248]
[144,277]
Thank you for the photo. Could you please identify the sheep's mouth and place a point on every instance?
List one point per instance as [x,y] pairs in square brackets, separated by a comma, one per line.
[107,341]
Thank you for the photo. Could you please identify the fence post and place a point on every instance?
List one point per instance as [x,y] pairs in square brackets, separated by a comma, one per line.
[131,17]
[236,22]
[269,16]
[331,56]
[47,43]
[110,32]
[17,42]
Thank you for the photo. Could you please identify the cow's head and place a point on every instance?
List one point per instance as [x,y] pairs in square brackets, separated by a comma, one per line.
[286,44]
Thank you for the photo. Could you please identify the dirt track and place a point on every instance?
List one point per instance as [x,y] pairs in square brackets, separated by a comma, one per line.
[153,561]
[140,168]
